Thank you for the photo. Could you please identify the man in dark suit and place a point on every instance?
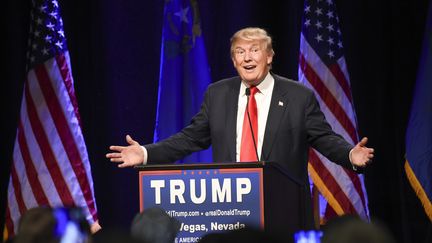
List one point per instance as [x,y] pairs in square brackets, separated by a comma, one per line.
[289,119]
[285,119]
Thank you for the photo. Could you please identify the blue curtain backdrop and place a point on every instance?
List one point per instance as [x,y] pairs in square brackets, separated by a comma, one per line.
[184,72]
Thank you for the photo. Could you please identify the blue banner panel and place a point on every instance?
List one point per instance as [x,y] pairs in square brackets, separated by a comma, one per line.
[205,201]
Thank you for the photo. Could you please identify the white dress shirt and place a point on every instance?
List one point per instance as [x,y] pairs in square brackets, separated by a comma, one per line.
[263,99]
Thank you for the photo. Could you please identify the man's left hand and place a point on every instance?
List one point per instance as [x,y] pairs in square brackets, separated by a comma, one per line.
[362,155]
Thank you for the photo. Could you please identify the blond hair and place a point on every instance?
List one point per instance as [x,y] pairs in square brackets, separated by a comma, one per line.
[250,34]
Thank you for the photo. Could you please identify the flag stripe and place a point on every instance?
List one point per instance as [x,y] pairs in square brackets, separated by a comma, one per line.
[347,181]
[63,66]
[32,174]
[9,223]
[340,78]
[324,190]
[330,117]
[65,135]
[331,183]
[35,152]
[355,179]
[13,206]
[18,194]
[327,97]
[47,153]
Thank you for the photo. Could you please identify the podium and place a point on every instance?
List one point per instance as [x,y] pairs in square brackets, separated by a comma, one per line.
[215,197]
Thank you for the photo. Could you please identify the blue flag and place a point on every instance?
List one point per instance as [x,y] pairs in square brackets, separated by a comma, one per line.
[184,72]
[418,165]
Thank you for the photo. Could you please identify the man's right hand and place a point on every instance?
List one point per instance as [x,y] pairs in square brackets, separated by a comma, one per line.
[127,156]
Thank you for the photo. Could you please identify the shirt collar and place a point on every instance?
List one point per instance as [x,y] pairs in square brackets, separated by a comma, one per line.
[265,87]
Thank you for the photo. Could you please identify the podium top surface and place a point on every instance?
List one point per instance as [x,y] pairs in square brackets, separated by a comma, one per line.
[255,164]
[225,165]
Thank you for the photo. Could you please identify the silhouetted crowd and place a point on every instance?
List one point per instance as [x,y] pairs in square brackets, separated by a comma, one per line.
[154,225]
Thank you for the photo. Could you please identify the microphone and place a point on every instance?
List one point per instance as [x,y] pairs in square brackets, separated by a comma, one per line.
[248,92]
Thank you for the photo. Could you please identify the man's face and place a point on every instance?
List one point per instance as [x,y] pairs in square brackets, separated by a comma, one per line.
[251,60]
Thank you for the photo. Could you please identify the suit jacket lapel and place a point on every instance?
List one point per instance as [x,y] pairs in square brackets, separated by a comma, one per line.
[231,118]
[278,105]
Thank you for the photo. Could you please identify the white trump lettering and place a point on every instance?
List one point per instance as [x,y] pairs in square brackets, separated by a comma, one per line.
[177,189]
[243,188]
[218,193]
[221,190]
[194,198]
[157,185]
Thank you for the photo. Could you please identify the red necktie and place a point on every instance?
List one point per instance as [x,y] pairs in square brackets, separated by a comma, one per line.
[247,147]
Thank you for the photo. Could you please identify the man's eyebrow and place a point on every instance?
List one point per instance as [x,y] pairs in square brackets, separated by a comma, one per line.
[254,45]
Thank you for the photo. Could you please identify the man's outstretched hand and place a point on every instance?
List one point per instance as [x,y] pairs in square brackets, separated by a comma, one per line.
[127,156]
[362,155]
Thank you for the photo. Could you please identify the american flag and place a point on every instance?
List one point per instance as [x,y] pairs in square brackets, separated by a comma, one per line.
[323,69]
[50,164]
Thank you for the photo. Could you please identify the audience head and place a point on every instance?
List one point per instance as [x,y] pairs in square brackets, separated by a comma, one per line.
[37,225]
[352,229]
[154,225]
[51,225]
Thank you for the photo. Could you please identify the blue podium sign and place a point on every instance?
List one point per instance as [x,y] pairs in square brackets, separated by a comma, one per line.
[206,200]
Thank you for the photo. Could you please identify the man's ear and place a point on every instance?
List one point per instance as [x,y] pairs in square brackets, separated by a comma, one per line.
[269,59]
[233,60]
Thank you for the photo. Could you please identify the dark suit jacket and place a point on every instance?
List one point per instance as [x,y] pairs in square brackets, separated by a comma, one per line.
[295,122]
